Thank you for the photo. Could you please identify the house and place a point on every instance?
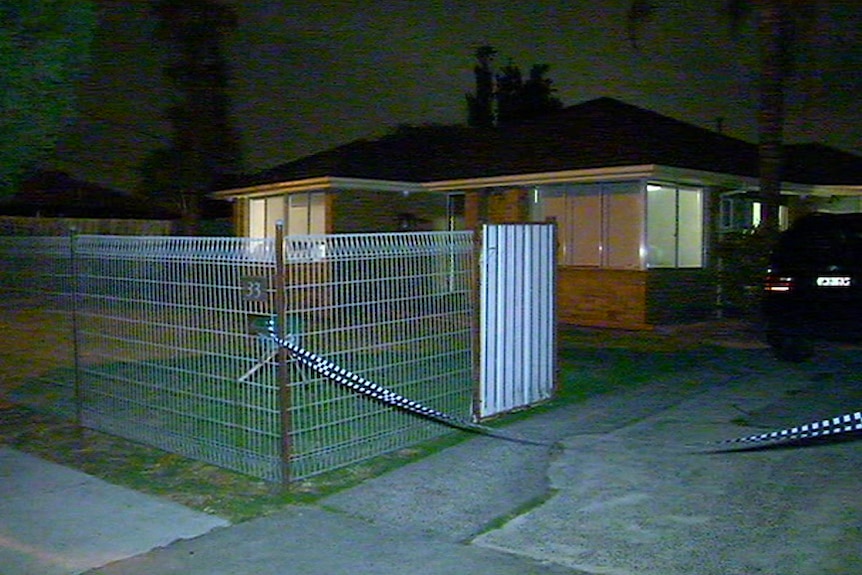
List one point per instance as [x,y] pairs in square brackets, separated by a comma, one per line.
[52,193]
[51,202]
[640,199]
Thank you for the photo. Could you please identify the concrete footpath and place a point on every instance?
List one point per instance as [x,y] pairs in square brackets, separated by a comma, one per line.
[58,521]
[632,485]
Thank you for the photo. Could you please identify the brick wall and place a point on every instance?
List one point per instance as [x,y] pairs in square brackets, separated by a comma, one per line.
[602,297]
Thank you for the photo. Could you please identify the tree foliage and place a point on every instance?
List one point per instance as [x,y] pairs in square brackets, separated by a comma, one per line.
[519,99]
[505,97]
[204,144]
[44,49]
[480,106]
[780,26]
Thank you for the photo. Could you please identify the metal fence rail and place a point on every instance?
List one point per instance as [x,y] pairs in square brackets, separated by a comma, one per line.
[171,349]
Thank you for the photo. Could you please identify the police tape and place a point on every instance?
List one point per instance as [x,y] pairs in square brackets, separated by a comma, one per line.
[361,385]
[846,423]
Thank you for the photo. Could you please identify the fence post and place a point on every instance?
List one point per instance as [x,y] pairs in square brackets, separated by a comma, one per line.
[476,294]
[76,352]
[283,356]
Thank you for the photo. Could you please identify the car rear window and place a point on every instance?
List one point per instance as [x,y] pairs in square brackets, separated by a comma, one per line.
[820,244]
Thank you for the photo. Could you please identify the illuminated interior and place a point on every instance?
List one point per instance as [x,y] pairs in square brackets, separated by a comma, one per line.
[599,225]
[615,225]
[742,214]
[303,213]
[674,226]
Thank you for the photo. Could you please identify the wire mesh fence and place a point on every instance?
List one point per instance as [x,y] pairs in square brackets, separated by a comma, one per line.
[36,283]
[396,308]
[162,343]
[165,341]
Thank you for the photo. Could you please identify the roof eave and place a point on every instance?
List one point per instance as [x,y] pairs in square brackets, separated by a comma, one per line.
[652,171]
[317,184]
[836,190]
[540,178]
[682,175]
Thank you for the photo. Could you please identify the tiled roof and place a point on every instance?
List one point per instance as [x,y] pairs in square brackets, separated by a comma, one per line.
[599,133]
[820,164]
[411,154]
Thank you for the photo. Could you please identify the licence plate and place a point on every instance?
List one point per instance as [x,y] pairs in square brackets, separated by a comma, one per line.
[833,281]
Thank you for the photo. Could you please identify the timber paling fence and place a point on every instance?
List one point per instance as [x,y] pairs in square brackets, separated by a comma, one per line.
[51,226]
[163,340]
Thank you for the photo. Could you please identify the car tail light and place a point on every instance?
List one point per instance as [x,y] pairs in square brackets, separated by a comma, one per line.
[776,283]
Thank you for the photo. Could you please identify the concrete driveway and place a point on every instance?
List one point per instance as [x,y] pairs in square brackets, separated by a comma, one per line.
[633,485]
[652,497]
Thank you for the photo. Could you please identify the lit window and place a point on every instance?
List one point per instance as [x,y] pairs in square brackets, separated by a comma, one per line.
[302,213]
[674,227]
[598,225]
[306,213]
[756,214]
[257,218]
[741,214]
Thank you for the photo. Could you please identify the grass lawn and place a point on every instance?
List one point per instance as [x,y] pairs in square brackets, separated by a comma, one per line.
[591,362]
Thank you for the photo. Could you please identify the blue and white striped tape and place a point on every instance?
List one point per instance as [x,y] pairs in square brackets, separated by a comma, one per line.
[359,384]
[845,423]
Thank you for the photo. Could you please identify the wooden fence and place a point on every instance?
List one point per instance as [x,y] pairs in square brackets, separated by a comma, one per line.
[30,226]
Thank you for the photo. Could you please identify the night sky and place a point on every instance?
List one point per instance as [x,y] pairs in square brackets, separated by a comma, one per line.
[311,75]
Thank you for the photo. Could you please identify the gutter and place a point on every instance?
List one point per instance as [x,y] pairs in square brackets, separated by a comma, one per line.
[318,184]
[654,171]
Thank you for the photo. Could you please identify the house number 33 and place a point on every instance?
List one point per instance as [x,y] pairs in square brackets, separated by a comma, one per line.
[254,288]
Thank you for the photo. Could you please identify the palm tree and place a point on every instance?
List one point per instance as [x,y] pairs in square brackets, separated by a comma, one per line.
[779,25]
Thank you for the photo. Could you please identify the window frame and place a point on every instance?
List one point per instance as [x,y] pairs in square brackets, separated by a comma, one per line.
[677,234]
[601,204]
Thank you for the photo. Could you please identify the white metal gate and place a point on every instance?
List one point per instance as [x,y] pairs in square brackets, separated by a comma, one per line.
[517,316]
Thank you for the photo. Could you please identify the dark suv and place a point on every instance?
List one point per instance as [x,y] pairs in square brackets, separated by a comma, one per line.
[813,288]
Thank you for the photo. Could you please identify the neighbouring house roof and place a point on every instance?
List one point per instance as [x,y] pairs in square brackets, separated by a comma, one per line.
[600,133]
[52,193]
[819,164]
